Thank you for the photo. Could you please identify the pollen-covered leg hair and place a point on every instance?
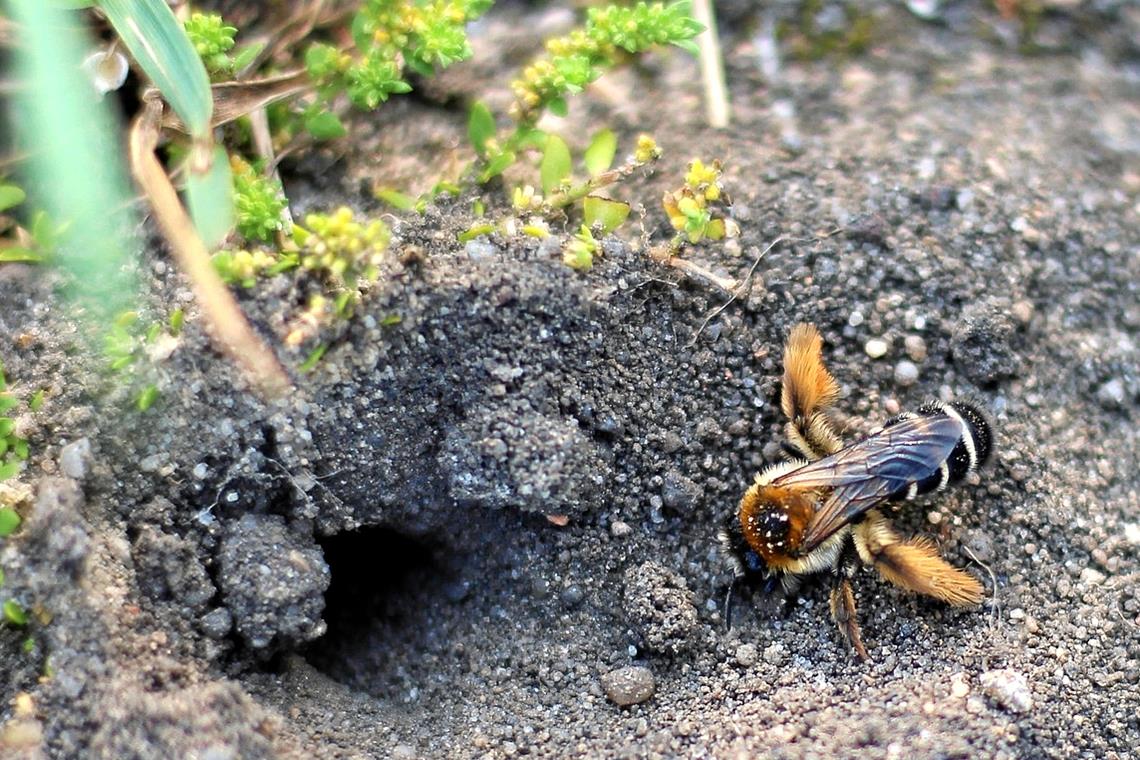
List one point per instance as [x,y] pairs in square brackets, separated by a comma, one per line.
[913,564]
[843,612]
[808,391]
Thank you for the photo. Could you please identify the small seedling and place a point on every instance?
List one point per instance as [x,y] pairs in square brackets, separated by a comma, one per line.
[696,210]
[14,613]
[390,37]
[610,36]
[132,347]
[13,447]
[259,202]
[9,521]
[213,40]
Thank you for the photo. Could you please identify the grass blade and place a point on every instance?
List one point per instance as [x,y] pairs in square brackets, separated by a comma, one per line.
[160,46]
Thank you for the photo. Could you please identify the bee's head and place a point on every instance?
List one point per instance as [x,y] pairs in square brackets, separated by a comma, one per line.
[746,563]
[771,521]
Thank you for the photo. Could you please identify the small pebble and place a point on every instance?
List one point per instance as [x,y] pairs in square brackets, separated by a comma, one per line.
[1111,394]
[906,373]
[915,347]
[216,623]
[959,688]
[629,686]
[746,655]
[1022,311]
[478,250]
[876,348]
[75,459]
[775,653]
[1090,576]
[855,319]
[572,596]
[1008,689]
[1132,533]
[619,529]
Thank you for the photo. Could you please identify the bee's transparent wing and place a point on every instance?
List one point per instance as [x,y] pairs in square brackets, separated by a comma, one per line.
[866,473]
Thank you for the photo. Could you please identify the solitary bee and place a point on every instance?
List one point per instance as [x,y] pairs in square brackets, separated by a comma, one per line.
[819,512]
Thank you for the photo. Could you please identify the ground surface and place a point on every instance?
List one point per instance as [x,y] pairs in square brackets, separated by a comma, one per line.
[367,569]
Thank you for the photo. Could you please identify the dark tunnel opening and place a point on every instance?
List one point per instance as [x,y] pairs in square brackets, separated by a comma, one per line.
[384,588]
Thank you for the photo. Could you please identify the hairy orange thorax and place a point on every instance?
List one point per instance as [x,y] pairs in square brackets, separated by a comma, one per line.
[773,520]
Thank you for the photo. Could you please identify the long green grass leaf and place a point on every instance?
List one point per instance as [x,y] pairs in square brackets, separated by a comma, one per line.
[160,46]
[75,172]
[209,195]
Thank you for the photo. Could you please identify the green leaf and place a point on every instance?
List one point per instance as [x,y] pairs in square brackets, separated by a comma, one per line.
[210,196]
[160,46]
[555,165]
[147,398]
[558,107]
[245,54]
[314,357]
[475,231]
[7,401]
[10,196]
[496,166]
[530,138]
[177,319]
[9,521]
[324,125]
[600,155]
[20,448]
[480,127]
[17,254]
[688,46]
[9,470]
[14,613]
[7,425]
[396,199]
[76,171]
[602,212]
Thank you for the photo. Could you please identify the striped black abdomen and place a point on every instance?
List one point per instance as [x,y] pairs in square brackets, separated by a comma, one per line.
[971,452]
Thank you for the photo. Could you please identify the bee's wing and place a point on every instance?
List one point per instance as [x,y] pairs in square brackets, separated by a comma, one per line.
[868,472]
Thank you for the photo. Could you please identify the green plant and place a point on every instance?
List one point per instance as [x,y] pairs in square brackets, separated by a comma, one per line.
[610,35]
[343,252]
[9,521]
[390,37]
[695,209]
[259,202]
[13,447]
[132,348]
[212,39]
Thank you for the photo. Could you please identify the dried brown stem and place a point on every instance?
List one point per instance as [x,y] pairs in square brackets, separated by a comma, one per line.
[225,320]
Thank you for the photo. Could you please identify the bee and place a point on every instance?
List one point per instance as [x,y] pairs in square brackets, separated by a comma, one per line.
[820,512]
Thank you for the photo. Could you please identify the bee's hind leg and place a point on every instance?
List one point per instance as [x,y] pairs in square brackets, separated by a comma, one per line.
[842,603]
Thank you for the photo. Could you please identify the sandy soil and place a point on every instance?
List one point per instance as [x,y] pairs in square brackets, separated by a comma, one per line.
[368,568]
